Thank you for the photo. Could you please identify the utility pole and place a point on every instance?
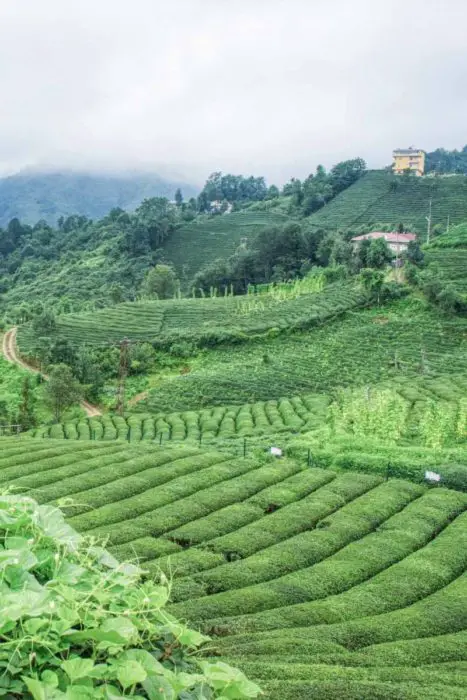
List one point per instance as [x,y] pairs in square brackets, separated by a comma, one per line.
[447,225]
[122,374]
[428,218]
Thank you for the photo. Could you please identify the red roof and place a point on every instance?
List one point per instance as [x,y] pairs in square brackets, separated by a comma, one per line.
[389,236]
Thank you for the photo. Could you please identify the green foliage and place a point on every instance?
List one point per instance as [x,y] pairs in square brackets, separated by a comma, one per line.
[75,623]
[414,254]
[226,423]
[62,390]
[231,189]
[442,161]
[45,324]
[160,283]
[26,416]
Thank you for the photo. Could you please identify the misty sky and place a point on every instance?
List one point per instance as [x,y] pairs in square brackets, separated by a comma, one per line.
[269,87]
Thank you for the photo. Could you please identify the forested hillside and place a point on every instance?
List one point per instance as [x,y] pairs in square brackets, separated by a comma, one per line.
[31,196]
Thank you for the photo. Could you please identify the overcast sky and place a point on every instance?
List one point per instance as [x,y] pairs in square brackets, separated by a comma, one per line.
[269,87]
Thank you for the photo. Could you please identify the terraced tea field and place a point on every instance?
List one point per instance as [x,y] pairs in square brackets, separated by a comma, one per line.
[271,417]
[452,265]
[217,237]
[319,584]
[421,411]
[366,347]
[379,198]
[199,320]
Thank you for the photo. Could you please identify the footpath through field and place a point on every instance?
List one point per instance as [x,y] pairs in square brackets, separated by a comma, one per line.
[10,353]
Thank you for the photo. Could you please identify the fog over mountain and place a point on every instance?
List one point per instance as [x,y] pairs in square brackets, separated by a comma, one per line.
[258,87]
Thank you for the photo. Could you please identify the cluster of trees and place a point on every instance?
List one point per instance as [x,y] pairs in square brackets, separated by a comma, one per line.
[231,189]
[444,162]
[319,188]
[25,417]
[161,282]
[306,196]
[82,368]
[139,232]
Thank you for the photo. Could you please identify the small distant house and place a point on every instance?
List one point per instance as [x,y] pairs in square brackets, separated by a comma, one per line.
[396,241]
[218,206]
[412,159]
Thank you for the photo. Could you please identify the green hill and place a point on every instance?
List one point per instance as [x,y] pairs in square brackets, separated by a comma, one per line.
[194,245]
[31,196]
[381,197]
[318,583]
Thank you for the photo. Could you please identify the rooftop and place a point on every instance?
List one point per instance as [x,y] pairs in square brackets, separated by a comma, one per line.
[389,236]
[407,151]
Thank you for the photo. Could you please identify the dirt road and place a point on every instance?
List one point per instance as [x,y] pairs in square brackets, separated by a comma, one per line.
[10,352]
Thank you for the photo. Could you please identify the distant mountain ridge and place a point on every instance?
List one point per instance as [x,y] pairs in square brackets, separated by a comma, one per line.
[33,195]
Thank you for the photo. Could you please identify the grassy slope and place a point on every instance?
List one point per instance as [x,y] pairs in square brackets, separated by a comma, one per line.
[372,200]
[196,244]
[346,587]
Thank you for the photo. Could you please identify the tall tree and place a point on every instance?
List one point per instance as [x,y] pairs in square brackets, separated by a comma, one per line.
[178,197]
[26,417]
[62,390]
[379,254]
[161,282]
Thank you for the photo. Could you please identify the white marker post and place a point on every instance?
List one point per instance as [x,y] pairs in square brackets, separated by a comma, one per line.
[432,477]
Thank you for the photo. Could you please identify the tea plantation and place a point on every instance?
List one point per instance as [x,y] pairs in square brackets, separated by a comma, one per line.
[218,237]
[402,339]
[336,569]
[379,197]
[447,256]
[318,583]
[202,321]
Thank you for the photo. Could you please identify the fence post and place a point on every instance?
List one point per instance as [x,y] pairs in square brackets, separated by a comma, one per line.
[388,471]
[309,457]
[160,438]
[244,447]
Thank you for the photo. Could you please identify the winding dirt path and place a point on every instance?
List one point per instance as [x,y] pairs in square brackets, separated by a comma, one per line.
[10,353]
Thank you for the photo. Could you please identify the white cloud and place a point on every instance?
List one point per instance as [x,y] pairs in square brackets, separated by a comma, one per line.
[262,86]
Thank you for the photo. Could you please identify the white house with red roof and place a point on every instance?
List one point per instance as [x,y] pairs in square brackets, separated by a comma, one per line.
[396,241]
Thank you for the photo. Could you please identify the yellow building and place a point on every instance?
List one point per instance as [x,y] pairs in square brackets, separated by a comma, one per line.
[409,159]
